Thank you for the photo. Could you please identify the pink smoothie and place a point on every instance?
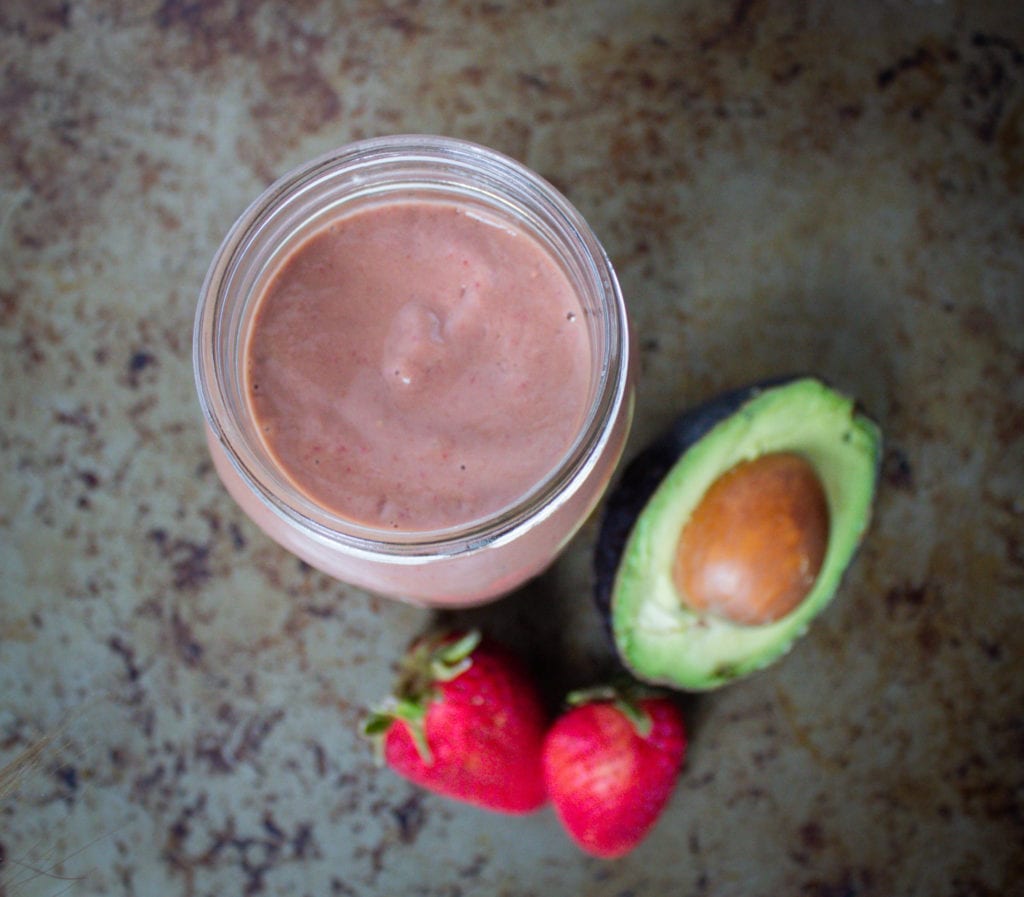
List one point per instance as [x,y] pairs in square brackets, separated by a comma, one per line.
[417,364]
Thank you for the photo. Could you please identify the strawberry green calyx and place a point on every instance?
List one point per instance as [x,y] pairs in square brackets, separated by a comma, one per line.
[412,713]
[442,657]
[451,659]
[626,696]
[439,658]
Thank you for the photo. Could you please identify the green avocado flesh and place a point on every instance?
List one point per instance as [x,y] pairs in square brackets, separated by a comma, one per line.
[658,637]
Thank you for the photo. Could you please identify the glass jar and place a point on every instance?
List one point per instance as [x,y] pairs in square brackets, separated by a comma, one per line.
[463,564]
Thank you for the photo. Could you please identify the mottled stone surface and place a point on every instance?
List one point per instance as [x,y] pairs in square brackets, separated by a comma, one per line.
[828,187]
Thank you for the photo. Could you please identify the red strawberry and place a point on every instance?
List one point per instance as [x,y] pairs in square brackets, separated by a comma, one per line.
[610,764]
[467,722]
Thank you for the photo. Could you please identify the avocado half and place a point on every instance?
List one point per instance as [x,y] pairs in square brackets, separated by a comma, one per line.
[657,636]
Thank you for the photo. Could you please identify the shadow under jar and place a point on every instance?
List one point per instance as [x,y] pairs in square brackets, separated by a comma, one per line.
[412,355]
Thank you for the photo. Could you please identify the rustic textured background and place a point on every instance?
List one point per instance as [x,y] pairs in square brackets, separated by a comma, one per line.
[782,186]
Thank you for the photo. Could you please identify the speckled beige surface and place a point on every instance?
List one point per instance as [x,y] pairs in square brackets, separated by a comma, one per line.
[782,186]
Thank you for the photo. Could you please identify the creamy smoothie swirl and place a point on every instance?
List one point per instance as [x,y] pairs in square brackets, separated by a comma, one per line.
[418,364]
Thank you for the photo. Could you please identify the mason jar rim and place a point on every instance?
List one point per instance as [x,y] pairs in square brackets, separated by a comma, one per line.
[448,160]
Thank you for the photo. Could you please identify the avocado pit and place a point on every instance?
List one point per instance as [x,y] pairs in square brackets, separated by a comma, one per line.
[754,544]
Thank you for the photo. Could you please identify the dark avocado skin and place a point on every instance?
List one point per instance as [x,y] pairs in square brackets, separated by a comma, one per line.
[642,476]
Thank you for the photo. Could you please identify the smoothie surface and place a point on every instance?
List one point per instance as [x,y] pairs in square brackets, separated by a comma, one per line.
[417,364]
